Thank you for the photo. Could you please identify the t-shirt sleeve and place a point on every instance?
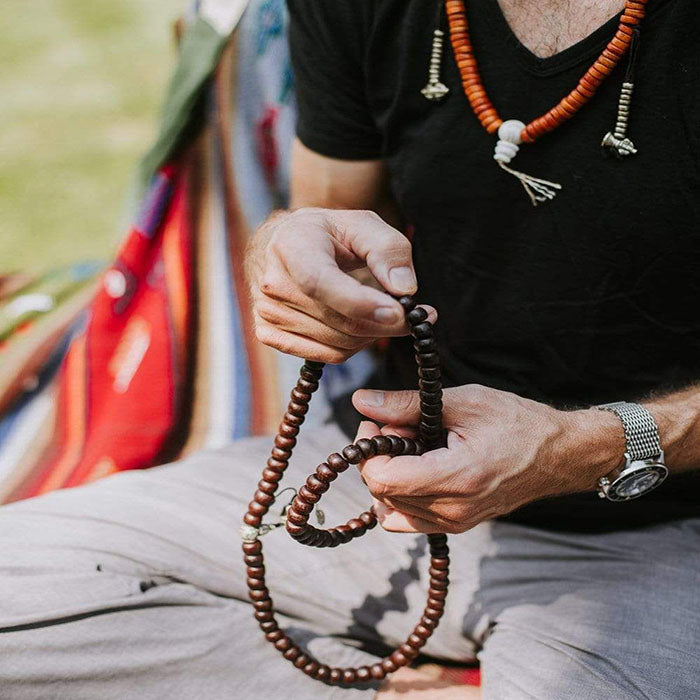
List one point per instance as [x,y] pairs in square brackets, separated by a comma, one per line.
[326,39]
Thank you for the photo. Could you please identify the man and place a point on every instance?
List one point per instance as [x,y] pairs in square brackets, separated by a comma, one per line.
[132,588]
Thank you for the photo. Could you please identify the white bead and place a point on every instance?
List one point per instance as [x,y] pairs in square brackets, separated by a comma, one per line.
[505,151]
[510,130]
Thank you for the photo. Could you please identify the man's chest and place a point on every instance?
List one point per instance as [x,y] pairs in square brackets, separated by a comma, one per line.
[551,26]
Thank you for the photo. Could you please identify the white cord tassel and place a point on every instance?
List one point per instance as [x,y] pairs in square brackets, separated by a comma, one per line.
[507,148]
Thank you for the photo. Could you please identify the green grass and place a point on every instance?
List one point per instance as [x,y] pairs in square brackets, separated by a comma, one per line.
[80,85]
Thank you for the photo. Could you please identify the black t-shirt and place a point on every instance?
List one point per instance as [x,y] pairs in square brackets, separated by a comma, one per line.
[590,298]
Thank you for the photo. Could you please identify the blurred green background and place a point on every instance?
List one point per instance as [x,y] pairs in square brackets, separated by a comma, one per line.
[80,85]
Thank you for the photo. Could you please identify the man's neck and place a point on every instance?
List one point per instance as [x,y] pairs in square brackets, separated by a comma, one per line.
[547,27]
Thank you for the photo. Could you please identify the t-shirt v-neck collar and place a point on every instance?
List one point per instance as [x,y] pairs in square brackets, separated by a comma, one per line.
[587,48]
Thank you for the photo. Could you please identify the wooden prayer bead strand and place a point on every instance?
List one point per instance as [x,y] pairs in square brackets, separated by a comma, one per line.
[478,98]
[319,482]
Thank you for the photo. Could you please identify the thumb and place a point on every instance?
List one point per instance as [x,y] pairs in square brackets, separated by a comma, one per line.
[395,407]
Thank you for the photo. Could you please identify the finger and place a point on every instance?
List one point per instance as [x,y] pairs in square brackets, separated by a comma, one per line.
[293,344]
[307,317]
[399,407]
[400,430]
[298,322]
[385,249]
[367,429]
[430,474]
[395,521]
[319,277]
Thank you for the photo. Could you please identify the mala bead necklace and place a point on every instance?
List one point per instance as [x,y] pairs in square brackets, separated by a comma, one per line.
[296,516]
[512,133]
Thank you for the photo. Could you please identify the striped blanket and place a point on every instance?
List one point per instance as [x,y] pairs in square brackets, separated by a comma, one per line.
[154,356]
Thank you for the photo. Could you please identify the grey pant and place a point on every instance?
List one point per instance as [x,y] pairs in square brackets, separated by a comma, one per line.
[133,588]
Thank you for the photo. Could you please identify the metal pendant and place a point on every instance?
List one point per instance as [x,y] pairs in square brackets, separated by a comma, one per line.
[435,90]
[616,142]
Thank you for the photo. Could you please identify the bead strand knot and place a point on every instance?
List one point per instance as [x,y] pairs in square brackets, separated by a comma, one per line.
[507,147]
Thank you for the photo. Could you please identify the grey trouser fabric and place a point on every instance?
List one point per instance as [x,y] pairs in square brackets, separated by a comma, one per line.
[133,588]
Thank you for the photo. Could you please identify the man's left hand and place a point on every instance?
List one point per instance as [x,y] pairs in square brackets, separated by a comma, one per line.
[502,452]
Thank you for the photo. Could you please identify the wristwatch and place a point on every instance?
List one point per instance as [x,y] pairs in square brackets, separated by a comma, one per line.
[643,469]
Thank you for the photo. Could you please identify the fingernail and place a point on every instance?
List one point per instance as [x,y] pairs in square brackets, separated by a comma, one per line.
[403,279]
[372,398]
[386,314]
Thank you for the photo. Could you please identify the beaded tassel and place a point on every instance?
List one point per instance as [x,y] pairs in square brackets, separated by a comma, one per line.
[617,143]
[509,139]
[435,90]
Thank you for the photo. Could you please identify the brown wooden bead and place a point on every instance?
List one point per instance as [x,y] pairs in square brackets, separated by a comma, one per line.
[263,498]
[253,520]
[365,446]
[252,548]
[382,444]
[422,330]
[272,476]
[400,659]
[316,485]
[326,473]
[409,446]
[352,454]
[263,605]
[396,444]
[337,463]
[377,671]
[363,674]
[297,518]
[408,651]
[301,506]
[311,668]
[277,464]
[281,454]
[275,636]
[268,627]
[293,653]
[291,419]
[308,496]
[349,676]
[388,665]
[323,672]
[256,510]
[307,385]
[284,644]
[336,675]
[417,315]
[253,559]
[407,303]
[299,396]
[430,386]
[263,616]
[255,571]
[302,660]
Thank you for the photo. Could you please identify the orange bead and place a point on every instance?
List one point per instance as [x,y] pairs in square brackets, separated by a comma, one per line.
[597,73]
[622,45]
[607,62]
[494,126]
[625,29]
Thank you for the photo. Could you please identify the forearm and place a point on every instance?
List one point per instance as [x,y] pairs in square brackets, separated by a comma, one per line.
[678,418]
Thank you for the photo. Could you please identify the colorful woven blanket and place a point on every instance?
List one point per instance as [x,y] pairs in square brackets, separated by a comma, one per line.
[155,356]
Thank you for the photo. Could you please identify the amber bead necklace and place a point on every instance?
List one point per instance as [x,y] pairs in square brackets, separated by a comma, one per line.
[296,516]
[512,133]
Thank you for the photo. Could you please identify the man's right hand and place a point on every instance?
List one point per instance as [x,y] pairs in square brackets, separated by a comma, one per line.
[305,302]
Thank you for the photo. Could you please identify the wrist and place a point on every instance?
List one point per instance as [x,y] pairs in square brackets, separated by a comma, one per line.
[596,446]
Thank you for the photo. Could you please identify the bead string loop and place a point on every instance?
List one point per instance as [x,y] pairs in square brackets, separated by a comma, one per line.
[296,515]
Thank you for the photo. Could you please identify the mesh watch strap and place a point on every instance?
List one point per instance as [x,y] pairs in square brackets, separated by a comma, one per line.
[641,431]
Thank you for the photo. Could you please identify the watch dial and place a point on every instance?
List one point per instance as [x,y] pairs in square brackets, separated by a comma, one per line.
[637,484]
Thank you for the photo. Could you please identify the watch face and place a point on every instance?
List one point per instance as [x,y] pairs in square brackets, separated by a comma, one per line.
[637,482]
